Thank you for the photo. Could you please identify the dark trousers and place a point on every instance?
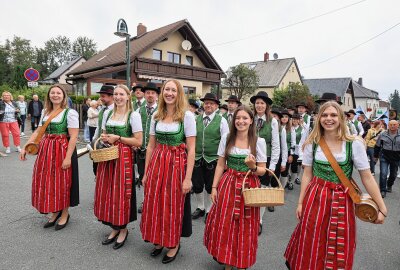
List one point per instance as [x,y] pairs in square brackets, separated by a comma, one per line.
[385,166]
[92,130]
[267,179]
[141,162]
[35,122]
[294,167]
[23,117]
[285,173]
[203,175]
[370,154]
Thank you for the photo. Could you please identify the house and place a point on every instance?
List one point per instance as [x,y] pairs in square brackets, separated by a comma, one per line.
[174,51]
[60,74]
[342,87]
[366,98]
[272,74]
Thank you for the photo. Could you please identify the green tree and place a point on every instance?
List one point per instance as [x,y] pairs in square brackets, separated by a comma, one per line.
[85,47]
[292,95]
[58,51]
[241,81]
[17,79]
[5,68]
[20,51]
[394,100]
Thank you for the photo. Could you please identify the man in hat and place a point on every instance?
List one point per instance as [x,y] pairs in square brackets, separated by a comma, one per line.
[327,96]
[291,110]
[137,90]
[193,106]
[351,116]
[366,125]
[223,109]
[146,111]
[351,129]
[210,128]
[233,104]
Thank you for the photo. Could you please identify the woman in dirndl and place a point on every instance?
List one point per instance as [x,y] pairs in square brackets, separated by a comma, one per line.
[169,165]
[325,237]
[288,141]
[115,196]
[55,182]
[231,233]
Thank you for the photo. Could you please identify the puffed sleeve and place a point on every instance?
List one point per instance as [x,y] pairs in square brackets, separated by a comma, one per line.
[359,155]
[136,122]
[72,119]
[152,126]
[189,123]
[104,120]
[308,155]
[222,145]
[261,150]
[41,118]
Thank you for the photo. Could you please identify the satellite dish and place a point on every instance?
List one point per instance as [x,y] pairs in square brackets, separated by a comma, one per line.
[186,45]
[275,56]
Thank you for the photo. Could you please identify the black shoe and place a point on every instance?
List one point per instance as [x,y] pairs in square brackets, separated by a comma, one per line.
[389,189]
[60,227]
[168,259]
[156,252]
[198,213]
[383,193]
[290,186]
[108,241]
[271,209]
[118,245]
[260,229]
[52,223]
[205,218]
[297,181]
[140,209]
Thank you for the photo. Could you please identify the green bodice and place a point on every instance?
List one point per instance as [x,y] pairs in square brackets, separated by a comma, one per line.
[171,138]
[298,131]
[236,162]
[123,131]
[146,120]
[266,133]
[58,127]
[208,138]
[324,170]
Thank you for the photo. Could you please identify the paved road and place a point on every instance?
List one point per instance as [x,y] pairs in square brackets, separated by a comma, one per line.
[26,245]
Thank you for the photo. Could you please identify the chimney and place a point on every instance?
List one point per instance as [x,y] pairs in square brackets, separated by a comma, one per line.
[360,81]
[141,29]
[266,57]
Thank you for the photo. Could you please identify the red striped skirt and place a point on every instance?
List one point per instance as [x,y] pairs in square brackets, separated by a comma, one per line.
[51,185]
[163,203]
[231,232]
[325,237]
[114,183]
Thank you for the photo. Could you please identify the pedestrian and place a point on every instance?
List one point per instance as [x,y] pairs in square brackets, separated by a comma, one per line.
[366,125]
[139,95]
[210,128]
[55,182]
[358,125]
[370,140]
[115,196]
[267,128]
[296,166]
[233,103]
[223,109]
[23,107]
[35,108]
[166,212]
[9,114]
[193,106]
[85,108]
[92,119]
[325,237]
[288,141]
[231,232]
[387,149]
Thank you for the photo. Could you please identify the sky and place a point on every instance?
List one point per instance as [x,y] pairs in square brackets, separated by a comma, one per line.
[237,31]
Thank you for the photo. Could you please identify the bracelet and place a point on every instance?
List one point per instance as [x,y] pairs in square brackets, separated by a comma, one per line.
[214,187]
[382,213]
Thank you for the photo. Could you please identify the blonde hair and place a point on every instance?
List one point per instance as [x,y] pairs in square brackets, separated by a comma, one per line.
[318,130]
[21,96]
[129,101]
[48,105]
[6,92]
[181,104]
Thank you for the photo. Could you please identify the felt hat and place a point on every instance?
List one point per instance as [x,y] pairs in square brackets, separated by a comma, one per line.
[263,95]
[211,96]
[107,89]
[328,97]
[233,98]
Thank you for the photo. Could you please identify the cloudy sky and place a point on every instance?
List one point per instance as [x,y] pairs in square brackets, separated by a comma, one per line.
[238,31]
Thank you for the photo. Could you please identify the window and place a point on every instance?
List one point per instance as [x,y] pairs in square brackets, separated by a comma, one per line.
[174,57]
[157,54]
[189,90]
[189,60]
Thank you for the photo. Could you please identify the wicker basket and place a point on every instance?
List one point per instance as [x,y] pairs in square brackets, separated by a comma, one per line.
[261,197]
[104,154]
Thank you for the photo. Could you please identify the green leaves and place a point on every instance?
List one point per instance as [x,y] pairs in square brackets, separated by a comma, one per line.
[241,81]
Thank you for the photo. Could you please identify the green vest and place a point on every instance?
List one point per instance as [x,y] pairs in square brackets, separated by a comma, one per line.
[236,162]
[305,118]
[208,138]
[146,119]
[266,133]
[324,170]
[356,125]
[123,131]
[288,139]
[225,115]
[58,127]
[171,138]
[100,122]
[135,106]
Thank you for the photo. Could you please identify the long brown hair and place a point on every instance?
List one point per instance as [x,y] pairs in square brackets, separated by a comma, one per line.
[268,115]
[252,137]
[318,130]
[288,125]
[181,104]
[48,105]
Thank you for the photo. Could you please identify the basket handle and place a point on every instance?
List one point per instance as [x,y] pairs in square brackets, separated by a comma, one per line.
[266,170]
[95,143]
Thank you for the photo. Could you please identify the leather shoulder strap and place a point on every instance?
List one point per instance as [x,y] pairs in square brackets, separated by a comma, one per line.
[355,196]
[42,129]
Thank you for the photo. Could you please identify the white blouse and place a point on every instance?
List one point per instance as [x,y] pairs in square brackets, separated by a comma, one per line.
[135,121]
[359,155]
[189,124]
[72,118]
[261,149]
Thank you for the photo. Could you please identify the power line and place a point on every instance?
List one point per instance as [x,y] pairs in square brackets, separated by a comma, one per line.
[287,26]
[353,48]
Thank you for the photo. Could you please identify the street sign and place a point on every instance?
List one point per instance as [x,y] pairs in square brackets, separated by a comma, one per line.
[31,75]
[33,84]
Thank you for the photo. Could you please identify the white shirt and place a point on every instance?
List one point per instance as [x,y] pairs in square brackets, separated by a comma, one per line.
[275,142]
[97,132]
[223,128]
[189,125]
[72,118]
[261,149]
[93,117]
[359,128]
[153,107]
[135,121]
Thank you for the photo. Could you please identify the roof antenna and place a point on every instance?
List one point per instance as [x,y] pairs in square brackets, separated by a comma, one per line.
[275,56]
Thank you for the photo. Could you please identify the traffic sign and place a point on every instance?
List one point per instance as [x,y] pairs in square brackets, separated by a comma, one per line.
[31,75]
[33,84]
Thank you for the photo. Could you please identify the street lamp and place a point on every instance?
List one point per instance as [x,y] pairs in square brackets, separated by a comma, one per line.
[122,31]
